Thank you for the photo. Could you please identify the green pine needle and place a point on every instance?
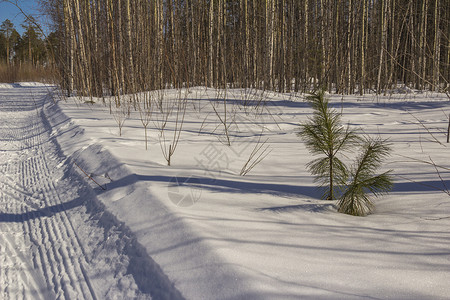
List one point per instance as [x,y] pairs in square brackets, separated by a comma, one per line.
[355,199]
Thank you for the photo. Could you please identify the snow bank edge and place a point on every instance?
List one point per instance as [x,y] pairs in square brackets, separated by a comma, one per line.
[182,260]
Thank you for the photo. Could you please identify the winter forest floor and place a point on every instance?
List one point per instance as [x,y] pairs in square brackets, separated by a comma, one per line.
[87,213]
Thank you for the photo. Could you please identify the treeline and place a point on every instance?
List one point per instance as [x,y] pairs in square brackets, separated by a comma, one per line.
[24,56]
[16,48]
[124,46]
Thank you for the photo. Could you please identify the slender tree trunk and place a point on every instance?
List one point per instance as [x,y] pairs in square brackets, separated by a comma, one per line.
[219,46]
[160,33]
[247,48]
[392,55]
[130,47]
[115,75]
[363,49]
[423,42]
[81,45]
[437,47]
[306,48]
[323,59]
[349,46]
[412,48]
[120,42]
[271,33]
[337,64]
[69,47]
[256,53]
[210,54]
[384,10]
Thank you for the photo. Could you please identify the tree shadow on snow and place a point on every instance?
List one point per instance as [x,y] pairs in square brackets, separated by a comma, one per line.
[311,207]
[47,211]
[222,185]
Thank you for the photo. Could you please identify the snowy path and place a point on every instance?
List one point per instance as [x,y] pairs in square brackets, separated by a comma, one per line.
[51,244]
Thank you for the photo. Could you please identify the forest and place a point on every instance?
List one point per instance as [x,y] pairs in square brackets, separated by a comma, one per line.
[116,47]
[25,56]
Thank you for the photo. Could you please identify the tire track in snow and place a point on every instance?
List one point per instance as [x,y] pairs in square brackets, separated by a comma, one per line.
[42,256]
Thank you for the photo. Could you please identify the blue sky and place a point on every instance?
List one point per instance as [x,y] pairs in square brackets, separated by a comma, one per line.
[9,11]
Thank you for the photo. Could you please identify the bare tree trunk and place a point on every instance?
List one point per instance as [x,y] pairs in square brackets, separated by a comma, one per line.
[323,58]
[210,54]
[423,42]
[81,44]
[114,71]
[256,54]
[70,47]
[306,45]
[363,49]
[219,46]
[130,47]
[412,49]
[194,43]
[270,19]
[384,10]
[349,46]
[247,48]
[392,55]
[437,47]
[120,54]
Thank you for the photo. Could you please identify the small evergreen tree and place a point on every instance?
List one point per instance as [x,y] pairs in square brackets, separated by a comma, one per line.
[355,199]
[325,135]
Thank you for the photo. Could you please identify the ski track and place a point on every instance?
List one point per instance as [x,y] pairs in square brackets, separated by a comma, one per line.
[41,253]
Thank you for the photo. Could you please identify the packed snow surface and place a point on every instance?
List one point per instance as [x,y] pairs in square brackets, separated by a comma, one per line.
[87,212]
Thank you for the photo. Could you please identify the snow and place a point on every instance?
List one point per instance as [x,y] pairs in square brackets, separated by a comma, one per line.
[6,85]
[33,84]
[198,230]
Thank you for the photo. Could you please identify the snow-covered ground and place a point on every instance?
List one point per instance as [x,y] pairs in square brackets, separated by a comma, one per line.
[198,230]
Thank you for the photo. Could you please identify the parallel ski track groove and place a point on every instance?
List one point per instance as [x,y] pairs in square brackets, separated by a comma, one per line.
[63,243]
[56,249]
[14,267]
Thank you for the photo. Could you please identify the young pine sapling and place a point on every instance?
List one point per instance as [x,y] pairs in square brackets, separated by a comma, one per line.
[325,135]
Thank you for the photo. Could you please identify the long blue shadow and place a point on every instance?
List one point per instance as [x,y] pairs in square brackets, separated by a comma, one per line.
[221,185]
[40,213]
